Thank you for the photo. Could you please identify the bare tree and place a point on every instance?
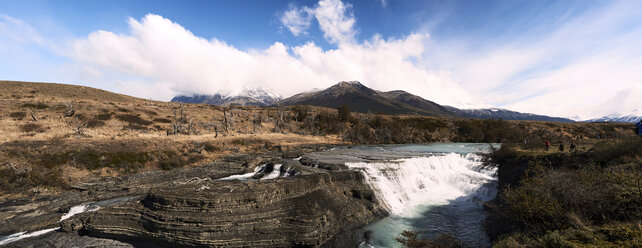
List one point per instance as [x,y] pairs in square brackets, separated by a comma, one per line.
[257,121]
[191,127]
[179,119]
[226,125]
[69,109]
[33,114]
[79,126]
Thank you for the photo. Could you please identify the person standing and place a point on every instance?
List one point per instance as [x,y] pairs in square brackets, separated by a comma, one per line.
[572,146]
[561,146]
[548,144]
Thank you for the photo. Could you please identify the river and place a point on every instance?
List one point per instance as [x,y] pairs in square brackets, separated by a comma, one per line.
[435,189]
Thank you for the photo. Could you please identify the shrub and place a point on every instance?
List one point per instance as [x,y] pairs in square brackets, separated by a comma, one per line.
[132,119]
[150,112]
[555,240]
[94,123]
[124,110]
[558,198]
[410,239]
[133,126]
[32,127]
[103,117]
[300,112]
[37,105]
[344,113]
[210,147]
[162,120]
[18,115]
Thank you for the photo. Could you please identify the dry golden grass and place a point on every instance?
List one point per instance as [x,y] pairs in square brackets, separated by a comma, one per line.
[134,130]
[123,127]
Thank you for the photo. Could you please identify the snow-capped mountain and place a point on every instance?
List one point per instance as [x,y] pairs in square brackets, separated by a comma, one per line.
[633,116]
[254,96]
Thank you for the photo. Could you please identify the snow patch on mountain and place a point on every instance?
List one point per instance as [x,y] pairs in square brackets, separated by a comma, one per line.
[257,93]
[247,95]
[633,116]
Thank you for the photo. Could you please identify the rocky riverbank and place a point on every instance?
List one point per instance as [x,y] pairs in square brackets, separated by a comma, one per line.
[287,203]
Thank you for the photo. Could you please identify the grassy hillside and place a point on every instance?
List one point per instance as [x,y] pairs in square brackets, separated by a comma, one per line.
[54,135]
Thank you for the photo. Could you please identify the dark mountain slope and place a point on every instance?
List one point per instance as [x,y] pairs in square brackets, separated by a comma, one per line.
[360,98]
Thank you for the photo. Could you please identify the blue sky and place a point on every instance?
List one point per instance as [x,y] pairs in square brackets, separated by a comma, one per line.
[578,59]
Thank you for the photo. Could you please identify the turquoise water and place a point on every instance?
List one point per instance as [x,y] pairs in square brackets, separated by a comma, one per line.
[441,190]
[460,148]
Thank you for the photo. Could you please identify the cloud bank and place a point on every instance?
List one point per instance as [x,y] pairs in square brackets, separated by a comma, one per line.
[169,60]
[585,65]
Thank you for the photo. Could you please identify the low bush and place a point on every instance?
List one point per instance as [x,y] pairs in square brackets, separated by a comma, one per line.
[170,160]
[162,120]
[133,119]
[211,147]
[18,115]
[568,200]
[411,239]
[300,112]
[124,110]
[37,105]
[94,123]
[32,127]
[150,112]
[103,116]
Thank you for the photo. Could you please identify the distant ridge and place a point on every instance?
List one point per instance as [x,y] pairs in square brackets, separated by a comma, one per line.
[617,118]
[505,114]
[360,98]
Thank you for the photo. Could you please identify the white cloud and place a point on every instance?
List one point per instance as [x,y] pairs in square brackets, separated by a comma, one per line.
[16,30]
[570,70]
[587,66]
[297,20]
[160,53]
[335,19]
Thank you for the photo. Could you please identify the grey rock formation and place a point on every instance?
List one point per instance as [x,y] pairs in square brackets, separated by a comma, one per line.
[304,206]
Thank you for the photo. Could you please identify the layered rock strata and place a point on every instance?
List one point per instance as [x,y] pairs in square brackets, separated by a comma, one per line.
[299,211]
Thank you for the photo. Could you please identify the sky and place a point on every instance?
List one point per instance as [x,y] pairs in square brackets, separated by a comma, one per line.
[576,59]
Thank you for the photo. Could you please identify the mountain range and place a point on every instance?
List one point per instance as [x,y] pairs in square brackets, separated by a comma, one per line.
[360,98]
[247,96]
[618,118]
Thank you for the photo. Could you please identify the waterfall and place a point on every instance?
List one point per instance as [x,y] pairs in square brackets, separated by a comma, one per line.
[441,193]
[404,184]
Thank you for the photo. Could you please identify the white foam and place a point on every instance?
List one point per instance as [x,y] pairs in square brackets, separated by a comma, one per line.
[405,184]
[85,207]
[21,235]
[276,172]
[244,176]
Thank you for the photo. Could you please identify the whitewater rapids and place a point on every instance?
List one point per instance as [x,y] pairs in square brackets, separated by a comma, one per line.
[433,194]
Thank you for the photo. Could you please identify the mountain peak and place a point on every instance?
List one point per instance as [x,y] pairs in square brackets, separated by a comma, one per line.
[350,83]
[360,98]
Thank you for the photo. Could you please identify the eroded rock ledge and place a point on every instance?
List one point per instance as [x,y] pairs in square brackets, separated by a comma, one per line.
[190,207]
[298,211]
